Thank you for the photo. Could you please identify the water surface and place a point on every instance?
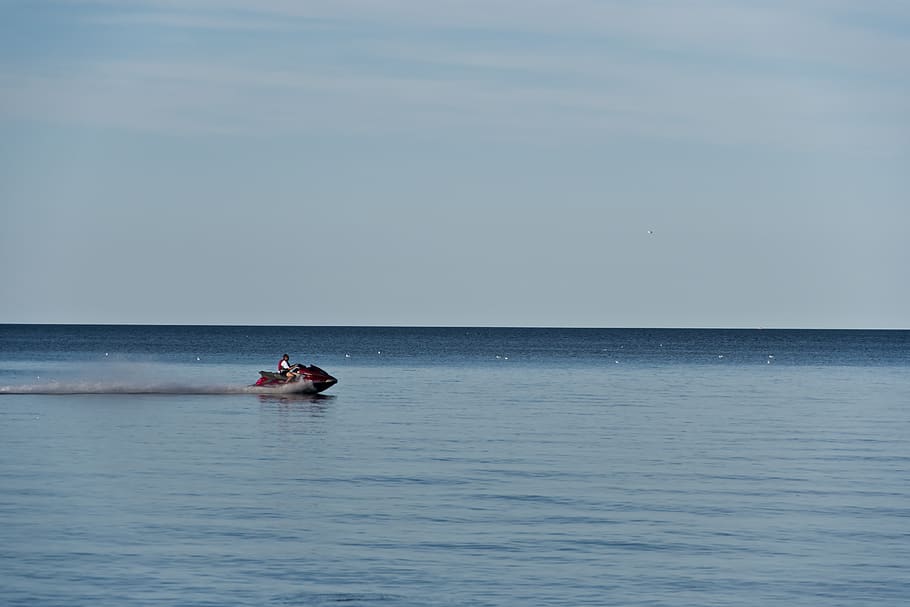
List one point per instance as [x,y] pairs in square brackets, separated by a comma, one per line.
[455,467]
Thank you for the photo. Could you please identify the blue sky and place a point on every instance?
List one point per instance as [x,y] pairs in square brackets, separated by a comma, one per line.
[397,162]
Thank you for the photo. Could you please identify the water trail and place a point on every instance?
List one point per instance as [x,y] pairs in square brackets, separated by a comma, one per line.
[83,387]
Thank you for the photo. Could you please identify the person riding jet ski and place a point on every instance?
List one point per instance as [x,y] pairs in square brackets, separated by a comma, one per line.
[287,369]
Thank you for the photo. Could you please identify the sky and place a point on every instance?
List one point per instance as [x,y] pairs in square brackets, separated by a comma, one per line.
[571,163]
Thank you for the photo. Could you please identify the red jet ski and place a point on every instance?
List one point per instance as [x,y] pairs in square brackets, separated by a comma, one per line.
[309,380]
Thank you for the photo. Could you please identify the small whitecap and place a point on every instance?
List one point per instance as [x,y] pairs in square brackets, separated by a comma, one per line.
[347,356]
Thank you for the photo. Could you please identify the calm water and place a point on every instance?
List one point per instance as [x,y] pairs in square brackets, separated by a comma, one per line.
[455,467]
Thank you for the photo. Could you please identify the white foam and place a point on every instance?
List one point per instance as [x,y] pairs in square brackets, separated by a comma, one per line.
[84,387]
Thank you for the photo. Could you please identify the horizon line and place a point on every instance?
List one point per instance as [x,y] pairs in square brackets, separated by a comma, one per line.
[430,326]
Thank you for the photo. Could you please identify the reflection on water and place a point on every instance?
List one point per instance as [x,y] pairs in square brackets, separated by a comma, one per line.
[287,415]
[296,398]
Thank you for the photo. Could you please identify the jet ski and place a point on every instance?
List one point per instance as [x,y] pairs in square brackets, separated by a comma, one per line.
[309,380]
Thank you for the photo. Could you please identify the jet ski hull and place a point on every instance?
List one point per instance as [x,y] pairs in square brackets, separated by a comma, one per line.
[310,380]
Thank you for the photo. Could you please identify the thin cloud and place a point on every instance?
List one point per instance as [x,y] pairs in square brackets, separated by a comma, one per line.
[709,71]
[190,21]
[817,29]
[216,98]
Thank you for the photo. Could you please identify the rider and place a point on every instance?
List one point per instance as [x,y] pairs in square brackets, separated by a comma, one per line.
[285,368]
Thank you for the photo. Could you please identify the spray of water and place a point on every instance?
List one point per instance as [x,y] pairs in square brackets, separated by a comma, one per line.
[114,376]
[85,387]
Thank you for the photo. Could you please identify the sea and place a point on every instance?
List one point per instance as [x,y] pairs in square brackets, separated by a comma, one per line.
[454,467]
